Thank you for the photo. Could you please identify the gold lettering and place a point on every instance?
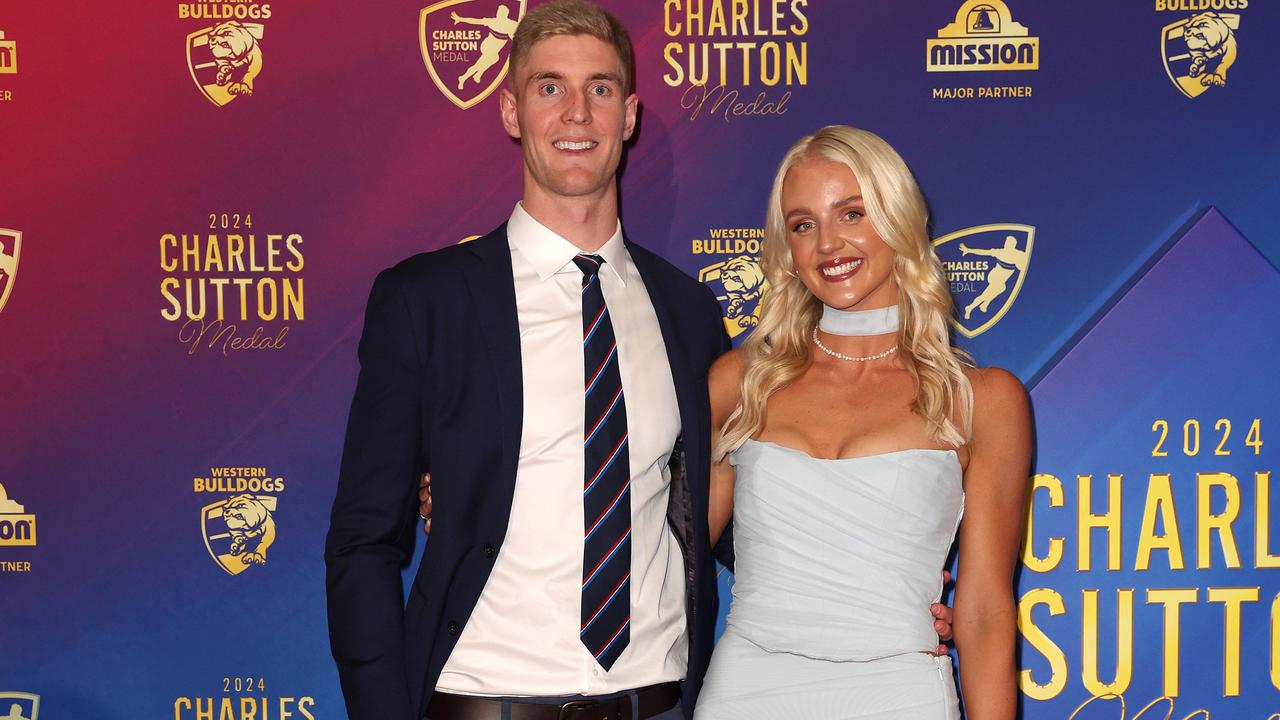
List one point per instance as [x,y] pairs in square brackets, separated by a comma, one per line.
[220,284]
[167,285]
[1275,642]
[293,305]
[292,242]
[717,23]
[273,252]
[1159,502]
[212,256]
[1053,486]
[693,18]
[1124,644]
[1041,642]
[1172,599]
[1087,521]
[235,253]
[1207,522]
[1262,557]
[738,11]
[797,64]
[265,311]
[770,67]
[167,263]
[191,252]
[803,26]
[668,53]
[243,284]
[670,29]
[1231,599]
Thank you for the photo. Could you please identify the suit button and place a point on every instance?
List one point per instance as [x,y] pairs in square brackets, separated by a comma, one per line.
[490,551]
[452,627]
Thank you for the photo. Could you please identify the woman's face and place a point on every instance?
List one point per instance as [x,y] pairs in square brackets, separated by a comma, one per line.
[838,255]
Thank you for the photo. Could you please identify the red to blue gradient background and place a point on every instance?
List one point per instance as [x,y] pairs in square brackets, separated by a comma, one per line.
[1149,295]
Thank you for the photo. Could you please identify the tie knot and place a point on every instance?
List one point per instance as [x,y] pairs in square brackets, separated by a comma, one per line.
[588,264]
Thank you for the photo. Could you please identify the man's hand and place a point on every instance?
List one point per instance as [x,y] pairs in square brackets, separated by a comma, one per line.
[424,512]
[941,613]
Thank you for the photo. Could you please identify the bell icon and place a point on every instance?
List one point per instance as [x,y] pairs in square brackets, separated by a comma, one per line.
[982,20]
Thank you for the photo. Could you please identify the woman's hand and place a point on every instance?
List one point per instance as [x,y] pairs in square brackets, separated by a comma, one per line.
[942,617]
[424,502]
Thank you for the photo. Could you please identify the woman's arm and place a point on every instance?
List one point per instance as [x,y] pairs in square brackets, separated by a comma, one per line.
[995,486]
[724,383]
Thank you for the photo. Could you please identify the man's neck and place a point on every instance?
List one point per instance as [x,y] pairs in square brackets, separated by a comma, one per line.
[587,221]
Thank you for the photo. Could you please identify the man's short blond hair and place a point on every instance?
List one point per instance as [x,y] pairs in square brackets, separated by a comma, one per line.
[571,17]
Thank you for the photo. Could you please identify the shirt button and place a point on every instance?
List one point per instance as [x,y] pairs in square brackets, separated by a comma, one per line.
[490,551]
[452,628]
[595,672]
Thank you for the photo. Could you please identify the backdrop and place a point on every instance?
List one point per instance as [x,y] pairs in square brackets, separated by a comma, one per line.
[196,196]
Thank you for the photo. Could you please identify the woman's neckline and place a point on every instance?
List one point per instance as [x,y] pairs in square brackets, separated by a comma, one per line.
[786,448]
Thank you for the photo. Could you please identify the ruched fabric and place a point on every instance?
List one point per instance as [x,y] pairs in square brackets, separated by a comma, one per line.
[837,564]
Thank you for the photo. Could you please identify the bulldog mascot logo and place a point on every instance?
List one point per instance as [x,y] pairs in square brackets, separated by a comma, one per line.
[239,531]
[738,283]
[10,251]
[1212,46]
[225,59]
[1199,51]
[237,56]
[252,529]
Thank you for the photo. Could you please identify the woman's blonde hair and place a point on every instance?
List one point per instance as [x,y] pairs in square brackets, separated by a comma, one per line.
[780,348]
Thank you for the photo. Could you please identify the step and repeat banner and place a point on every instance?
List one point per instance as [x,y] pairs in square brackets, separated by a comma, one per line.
[196,196]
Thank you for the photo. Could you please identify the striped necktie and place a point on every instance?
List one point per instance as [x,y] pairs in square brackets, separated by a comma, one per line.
[606,494]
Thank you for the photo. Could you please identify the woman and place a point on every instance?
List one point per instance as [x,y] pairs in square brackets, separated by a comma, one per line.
[852,439]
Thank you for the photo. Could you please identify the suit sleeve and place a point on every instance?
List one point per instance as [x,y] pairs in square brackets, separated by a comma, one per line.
[373,523]
[723,549]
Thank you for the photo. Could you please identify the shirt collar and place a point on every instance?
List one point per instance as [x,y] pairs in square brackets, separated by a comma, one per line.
[549,253]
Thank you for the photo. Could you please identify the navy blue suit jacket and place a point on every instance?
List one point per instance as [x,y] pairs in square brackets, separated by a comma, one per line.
[440,389]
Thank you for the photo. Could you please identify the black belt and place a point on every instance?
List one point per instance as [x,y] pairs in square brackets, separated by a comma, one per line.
[653,700]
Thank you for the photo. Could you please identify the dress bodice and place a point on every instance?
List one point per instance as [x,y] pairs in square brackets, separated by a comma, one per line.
[840,559]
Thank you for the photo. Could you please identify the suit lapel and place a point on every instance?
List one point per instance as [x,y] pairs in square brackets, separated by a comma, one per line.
[493,295]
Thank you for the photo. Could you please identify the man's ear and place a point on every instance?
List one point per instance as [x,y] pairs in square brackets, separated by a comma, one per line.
[510,118]
[629,119]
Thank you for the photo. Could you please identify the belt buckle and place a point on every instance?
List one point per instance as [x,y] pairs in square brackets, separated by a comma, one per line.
[574,705]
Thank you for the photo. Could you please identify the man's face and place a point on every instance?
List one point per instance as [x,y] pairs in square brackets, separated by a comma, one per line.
[570,115]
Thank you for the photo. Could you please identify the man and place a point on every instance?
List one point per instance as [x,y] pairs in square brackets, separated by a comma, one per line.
[473,366]
[551,376]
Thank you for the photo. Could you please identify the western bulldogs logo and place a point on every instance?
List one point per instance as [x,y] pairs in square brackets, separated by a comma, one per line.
[738,283]
[1199,51]
[10,250]
[239,531]
[225,59]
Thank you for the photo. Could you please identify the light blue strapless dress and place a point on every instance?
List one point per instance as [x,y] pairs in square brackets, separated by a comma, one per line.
[837,564]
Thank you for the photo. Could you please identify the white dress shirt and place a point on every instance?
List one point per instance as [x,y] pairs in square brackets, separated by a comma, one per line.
[522,637]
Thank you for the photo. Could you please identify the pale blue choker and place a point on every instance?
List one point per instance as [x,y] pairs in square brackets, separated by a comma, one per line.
[855,323]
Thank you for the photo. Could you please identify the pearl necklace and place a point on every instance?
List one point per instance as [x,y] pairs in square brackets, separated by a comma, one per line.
[851,358]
